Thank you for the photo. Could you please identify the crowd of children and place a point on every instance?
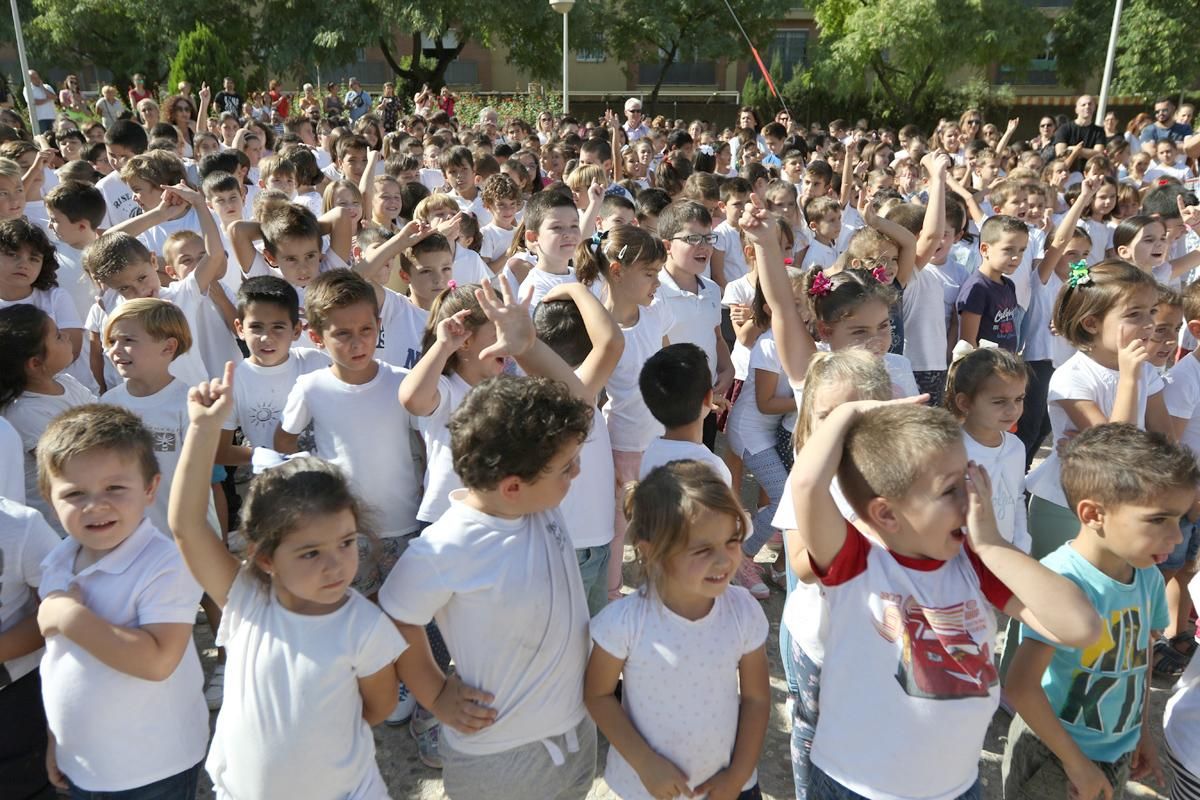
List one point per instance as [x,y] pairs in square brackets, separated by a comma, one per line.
[397,406]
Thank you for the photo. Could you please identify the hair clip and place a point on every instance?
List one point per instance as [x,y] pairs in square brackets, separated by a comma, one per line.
[621,252]
[264,458]
[451,284]
[1080,274]
[880,274]
[706,150]
[821,285]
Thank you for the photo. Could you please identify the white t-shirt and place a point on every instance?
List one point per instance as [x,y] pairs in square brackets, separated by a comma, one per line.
[539,282]
[739,293]
[664,451]
[401,326]
[588,507]
[291,724]
[363,429]
[631,426]
[1181,719]
[508,598]
[912,654]
[1005,466]
[468,267]
[440,477]
[12,478]
[30,414]
[924,323]
[695,316]
[1039,341]
[25,541]
[473,207]
[680,681]
[55,302]
[155,238]
[260,394]
[729,242]
[115,731]
[820,256]
[1182,396]
[118,195]
[1102,237]
[496,241]
[751,431]
[432,179]
[1081,378]
[73,280]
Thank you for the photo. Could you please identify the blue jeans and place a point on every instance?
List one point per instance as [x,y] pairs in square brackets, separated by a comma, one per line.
[180,786]
[1185,552]
[593,568]
[806,696]
[823,787]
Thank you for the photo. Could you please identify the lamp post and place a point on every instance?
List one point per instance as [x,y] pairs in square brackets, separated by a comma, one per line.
[31,105]
[1102,108]
[564,7]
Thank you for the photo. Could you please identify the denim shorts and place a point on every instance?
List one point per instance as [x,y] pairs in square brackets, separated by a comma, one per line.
[180,786]
[1185,552]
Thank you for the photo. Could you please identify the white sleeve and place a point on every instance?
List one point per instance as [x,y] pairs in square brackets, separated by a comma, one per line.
[65,314]
[381,645]
[172,595]
[296,413]
[12,457]
[415,590]
[40,539]
[1180,396]
[613,629]
[752,621]
[440,416]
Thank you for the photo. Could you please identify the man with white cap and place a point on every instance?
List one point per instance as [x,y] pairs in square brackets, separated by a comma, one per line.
[635,125]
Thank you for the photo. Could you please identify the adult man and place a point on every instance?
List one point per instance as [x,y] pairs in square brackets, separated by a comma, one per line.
[635,125]
[358,101]
[42,102]
[1082,130]
[1165,126]
[489,123]
[228,99]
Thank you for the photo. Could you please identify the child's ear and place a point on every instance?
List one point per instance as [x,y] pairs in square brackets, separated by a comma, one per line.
[239,330]
[1193,326]
[510,488]
[1091,514]
[172,344]
[316,337]
[962,402]
[297,329]
[882,516]
[1091,324]
[1125,251]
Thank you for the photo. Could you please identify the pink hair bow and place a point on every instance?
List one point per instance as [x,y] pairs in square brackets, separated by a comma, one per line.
[451,284]
[880,274]
[821,285]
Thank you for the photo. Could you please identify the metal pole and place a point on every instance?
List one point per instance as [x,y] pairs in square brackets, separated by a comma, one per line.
[1102,107]
[29,101]
[566,96]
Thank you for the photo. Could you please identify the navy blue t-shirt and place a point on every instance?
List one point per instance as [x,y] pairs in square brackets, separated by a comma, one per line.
[996,305]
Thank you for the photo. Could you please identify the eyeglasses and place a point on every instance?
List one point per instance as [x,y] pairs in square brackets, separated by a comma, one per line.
[633,111]
[973,121]
[696,238]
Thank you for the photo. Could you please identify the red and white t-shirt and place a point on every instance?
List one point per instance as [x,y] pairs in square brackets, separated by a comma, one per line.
[908,666]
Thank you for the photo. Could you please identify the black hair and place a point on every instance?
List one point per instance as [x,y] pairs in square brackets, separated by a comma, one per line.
[20,232]
[22,337]
[128,134]
[268,289]
[223,161]
[674,382]
[560,325]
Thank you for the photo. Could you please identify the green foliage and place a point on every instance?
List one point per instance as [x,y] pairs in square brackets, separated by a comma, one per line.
[907,53]
[518,106]
[202,58]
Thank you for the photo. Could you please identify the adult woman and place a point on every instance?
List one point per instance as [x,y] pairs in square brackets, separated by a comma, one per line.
[109,107]
[1045,134]
[424,102]
[970,125]
[70,98]
[147,111]
[180,115]
[308,98]
[334,107]
[1133,131]
[138,91]
[545,127]
[446,101]
[388,108]
[368,128]
[1112,125]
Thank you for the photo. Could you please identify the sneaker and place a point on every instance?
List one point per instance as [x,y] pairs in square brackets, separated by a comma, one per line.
[215,693]
[403,710]
[750,576]
[426,730]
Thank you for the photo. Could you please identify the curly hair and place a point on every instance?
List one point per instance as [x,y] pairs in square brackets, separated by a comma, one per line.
[19,233]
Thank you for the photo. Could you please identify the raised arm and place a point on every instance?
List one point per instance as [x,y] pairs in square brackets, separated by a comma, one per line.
[214,567]
[935,209]
[1052,260]
[366,184]
[136,226]
[587,219]
[1011,129]
[973,207]
[820,525]
[906,243]
[419,389]
[205,105]
[211,266]
[608,343]
[383,253]
[243,233]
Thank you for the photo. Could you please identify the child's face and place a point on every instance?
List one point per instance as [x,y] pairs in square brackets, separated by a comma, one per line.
[12,198]
[146,194]
[552,164]
[298,258]
[1164,152]
[313,565]
[228,205]
[472,365]
[1144,534]
[1105,201]
[353,165]
[460,177]
[1015,205]
[814,186]
[1129,320]
[1148,248]
[987,171]
[350,336]
[774,144]
[549,488]
[387,201]
[1035,208]
[431,274]
[702,569]
[71,149]
[433,154]
[268,332]
[350,200]
[951,137]
[136,280]
[102,164]
[691,258]
[931,514]
[637,282]
[1004,255]
[182,257]
[867,326]
[1165,339]
[794,171]
[100,498]
[887,257]
[229,129]
[749,154]
[18,271]
[57,347]
[1058,176]
[620,216]
[505,212]
[558,235]
[283,183]
[828,228]
[137,355]
[734,207]
[997,405]
[253,148]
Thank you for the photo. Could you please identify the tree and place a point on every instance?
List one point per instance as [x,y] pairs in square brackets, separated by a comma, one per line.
[202,57]
[1150,59]
[910,52]
[669,32]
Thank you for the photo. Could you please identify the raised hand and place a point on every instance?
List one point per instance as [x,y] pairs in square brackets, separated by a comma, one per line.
[514,326]
[211,403]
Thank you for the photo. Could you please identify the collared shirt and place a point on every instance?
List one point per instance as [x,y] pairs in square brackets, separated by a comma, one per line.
[633,134]
[695,314]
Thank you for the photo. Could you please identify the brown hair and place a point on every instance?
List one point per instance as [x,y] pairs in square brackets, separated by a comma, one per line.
[447,304]
[161,319]
[967,374]
[329,291]
[624,244]
[1118,464]
[94,426]
[1108,283]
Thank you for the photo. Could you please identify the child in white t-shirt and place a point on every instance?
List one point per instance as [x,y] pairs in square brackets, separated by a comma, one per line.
[551,234]
[303,729]
[401,321]
[689,649]
[25,541]
[499,574]
[33,387]
[117,611]
[728,259]
[985,389]
[502,199]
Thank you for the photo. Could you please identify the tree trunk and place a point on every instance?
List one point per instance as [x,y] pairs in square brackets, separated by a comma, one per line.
[662,75]
[417,73]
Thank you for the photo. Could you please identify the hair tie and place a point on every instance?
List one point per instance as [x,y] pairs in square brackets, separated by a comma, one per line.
[880,274]
[264,458]
[1080,274]
[787,262]
[821,285]
[451,284]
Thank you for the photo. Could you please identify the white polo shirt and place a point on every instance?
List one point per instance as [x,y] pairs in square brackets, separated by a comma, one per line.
[695,315]
[115,731]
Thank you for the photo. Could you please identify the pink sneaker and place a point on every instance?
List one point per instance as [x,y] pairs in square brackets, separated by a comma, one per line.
[749,575]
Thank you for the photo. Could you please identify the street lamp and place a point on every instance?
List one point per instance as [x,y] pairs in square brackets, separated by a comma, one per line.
[564,7]
[1108,62]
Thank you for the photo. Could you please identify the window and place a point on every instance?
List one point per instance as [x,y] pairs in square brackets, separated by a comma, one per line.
[687,70]
[788,50]
[1041,70]
[590,56]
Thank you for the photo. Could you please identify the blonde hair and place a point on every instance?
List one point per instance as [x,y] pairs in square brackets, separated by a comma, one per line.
[1109,282]
[433,204]
[175,240]
[332,189]
[10,169]
[663,507]
[583,176]
[853,366]
[160,319]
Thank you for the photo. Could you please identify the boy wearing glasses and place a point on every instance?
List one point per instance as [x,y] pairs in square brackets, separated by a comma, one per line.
[694,301]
